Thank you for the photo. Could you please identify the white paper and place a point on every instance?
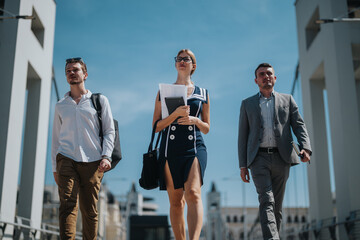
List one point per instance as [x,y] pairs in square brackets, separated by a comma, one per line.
[171,90]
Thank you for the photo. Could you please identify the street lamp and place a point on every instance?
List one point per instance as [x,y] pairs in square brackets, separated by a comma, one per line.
[18,17]
[244,202]
[331,20]
[14,16]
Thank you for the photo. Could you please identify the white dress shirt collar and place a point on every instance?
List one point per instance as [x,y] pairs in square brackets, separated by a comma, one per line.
[261,95]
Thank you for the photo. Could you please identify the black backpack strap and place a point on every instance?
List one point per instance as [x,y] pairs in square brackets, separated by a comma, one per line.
[95,99]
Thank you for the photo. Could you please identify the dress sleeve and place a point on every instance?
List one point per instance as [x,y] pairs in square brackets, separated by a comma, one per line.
[206,96]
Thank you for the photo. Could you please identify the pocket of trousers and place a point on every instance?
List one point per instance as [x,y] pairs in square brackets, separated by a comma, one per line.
[64,166]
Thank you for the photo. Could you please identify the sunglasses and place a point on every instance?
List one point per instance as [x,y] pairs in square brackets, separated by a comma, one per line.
[185,59]
[72,60]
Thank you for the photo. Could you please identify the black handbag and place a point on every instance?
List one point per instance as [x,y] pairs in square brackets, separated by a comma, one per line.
[150,171]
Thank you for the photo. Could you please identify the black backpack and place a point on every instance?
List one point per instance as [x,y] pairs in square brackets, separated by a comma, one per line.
[116,154]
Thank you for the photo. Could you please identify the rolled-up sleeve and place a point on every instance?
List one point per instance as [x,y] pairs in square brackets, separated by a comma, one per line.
[55,138]
[107,127]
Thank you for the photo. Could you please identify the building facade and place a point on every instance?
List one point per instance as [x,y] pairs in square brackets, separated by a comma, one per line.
[115,214]
[26,53]
[240,223]
[330,80]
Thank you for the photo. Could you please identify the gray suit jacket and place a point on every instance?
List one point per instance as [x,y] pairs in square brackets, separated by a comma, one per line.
[286,115]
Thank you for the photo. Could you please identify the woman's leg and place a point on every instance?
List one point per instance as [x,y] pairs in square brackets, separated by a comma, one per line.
[193,200]
[177,204]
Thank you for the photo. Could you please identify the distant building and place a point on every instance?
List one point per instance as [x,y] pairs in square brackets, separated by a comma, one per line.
[215,226]
[116,218]
[50,211]
[243,223]
[139,213]
[114,224]
[136,204]
[148,227]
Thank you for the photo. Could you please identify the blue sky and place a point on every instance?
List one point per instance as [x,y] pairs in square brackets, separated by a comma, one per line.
[129,48]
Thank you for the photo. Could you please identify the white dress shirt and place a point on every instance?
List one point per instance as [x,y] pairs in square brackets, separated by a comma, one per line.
[76,130]
[267,114]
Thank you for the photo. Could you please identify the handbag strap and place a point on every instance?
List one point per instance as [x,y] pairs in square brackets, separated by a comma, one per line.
[152,137]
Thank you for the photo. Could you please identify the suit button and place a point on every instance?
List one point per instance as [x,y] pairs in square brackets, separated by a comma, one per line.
[190,128]
[172,137]
[173,128]
[190,137]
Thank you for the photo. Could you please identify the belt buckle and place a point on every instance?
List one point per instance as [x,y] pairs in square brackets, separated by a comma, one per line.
[270,150]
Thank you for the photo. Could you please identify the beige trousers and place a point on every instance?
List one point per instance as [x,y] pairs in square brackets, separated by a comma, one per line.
[78,182]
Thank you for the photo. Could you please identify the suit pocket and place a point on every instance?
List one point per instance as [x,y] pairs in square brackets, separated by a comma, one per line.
[283,114]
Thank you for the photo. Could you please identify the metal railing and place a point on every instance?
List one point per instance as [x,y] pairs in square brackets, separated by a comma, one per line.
[322,229]
[22,228]
[327,228]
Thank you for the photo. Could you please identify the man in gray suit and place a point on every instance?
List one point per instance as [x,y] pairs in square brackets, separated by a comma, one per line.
[265,146]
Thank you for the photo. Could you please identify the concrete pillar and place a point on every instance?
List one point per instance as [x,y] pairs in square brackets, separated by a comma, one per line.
[344,116]
[38,57]
[356,63]
[358,95]
[332,46]
[25,62]
[32,172]
[11,119]
[318,171]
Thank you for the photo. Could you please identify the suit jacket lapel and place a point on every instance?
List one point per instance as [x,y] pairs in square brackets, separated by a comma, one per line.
[276,113]
[256,106]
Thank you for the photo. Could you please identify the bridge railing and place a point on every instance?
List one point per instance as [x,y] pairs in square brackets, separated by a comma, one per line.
[327,228]
[23,229]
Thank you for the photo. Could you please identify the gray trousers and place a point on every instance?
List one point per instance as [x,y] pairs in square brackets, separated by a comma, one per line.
[270,173]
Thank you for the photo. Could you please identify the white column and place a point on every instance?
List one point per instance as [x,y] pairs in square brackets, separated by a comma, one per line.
[38,57]
[19,49]
[344,119]
[13,85]
[332,47]
[33,167]
[318,171]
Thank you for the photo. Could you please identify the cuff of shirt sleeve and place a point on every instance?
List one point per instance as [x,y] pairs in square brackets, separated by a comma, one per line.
[310,152]
[106,152]
[106,157]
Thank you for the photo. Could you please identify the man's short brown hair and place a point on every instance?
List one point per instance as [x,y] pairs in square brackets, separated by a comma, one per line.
[262,65]
[77,60]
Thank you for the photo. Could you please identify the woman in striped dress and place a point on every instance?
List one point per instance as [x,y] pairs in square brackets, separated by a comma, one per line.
[183,154]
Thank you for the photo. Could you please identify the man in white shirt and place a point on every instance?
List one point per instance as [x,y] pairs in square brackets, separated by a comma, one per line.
[79,156]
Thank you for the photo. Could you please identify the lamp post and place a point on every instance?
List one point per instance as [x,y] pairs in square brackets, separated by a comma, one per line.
[13,16]
[332,20]
[244,202]
[18,17]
